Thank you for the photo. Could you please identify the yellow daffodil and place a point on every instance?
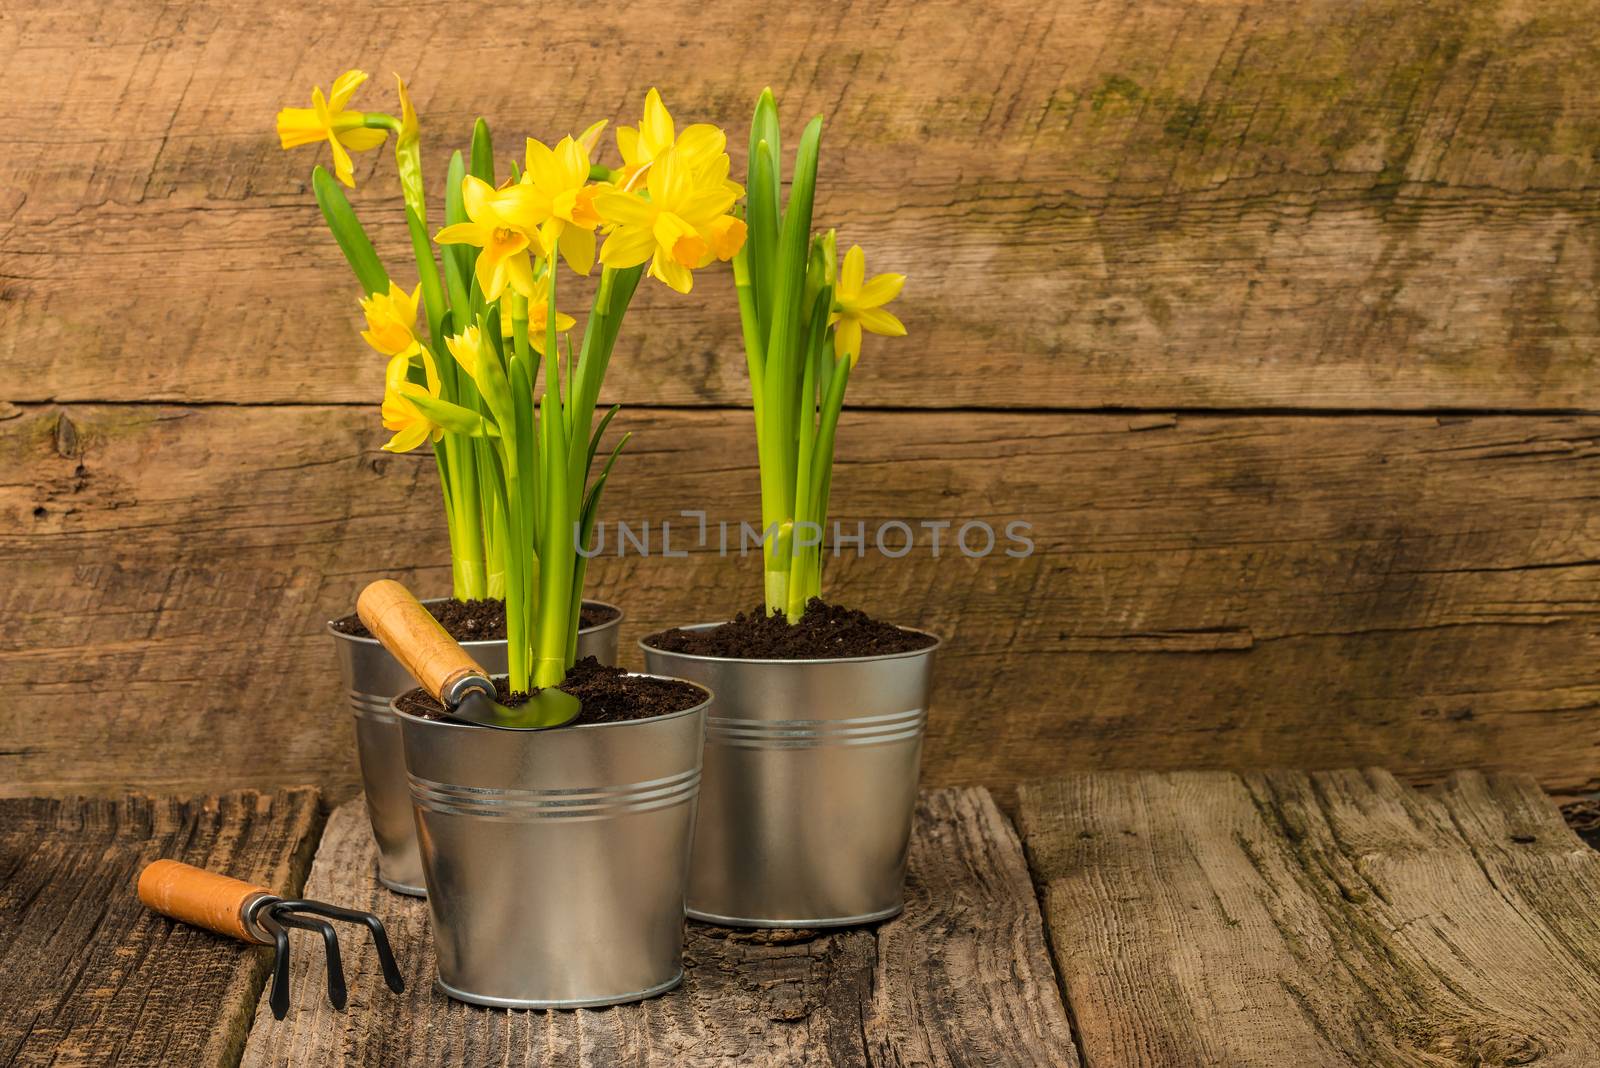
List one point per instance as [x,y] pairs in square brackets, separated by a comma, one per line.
[538,316]
[555,196]
[499,227]
[673,228]
[327,119]
[411,427]
[858,305]
[391,318]
[464,347]
[642,145]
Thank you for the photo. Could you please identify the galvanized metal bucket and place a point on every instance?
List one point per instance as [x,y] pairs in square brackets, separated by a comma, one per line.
[556,860]
[810,782]
[373,678]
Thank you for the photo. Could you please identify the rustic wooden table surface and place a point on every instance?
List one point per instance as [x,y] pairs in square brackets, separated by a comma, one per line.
[1202,918]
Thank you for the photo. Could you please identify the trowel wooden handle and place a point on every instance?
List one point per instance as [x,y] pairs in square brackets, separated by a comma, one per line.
[203,898]
[416,639]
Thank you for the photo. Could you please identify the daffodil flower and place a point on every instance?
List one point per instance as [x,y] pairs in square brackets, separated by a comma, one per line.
[858,305]
[464,347]
[327,119]
[400,413]
[641,145]
[555,196]
[391,318]
[538,316]
[499,227]
[673,228]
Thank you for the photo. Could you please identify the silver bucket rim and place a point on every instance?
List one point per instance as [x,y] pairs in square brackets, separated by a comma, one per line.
[614,621]
[705,702]
[644,645]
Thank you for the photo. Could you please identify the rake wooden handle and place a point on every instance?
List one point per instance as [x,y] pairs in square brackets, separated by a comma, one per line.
[416,639]
[203,898]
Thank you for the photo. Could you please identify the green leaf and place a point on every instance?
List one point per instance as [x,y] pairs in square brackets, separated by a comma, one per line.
[599,430]
[428,276]
[347,231]
[492,381]
[453,417]
[458,259]
[591,499]
[482,152]
[761,239]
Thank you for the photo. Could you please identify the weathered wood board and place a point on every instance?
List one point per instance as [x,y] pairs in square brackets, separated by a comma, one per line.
[1155,204]
[89,976]
[961,978]
[1333,918]
[1204,590]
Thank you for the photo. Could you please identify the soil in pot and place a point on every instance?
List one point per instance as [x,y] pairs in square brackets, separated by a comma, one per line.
[825,632]
[608,695]
[476,621]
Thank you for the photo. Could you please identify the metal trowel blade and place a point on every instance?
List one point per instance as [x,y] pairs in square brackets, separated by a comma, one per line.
[548,708]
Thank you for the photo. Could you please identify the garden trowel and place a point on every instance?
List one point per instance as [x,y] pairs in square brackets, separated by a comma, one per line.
[447,671]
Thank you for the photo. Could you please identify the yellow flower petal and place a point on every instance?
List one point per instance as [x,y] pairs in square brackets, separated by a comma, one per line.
[674,274]
[628,146]
[627,247]
[847,340]
[577,248]
[477,197]
[702,142]
[343,169]
[540,163]
[343,87]
[591,137]
[362,139]
[881,290]
[624,209]
[656,130]
[412,435]
[851,274]
[881,322]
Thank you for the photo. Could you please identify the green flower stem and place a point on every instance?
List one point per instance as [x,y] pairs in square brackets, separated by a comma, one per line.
[557,558]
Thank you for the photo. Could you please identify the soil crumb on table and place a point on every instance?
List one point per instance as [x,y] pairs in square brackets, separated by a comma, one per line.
[607,694]
[824,632]
[477,620]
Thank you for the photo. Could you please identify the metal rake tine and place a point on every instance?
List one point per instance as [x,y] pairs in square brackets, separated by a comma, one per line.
[380,936]
[279,999]
[337,992]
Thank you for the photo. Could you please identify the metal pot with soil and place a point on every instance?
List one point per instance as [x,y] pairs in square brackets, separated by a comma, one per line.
[373,678]
[813,751]
[555,850]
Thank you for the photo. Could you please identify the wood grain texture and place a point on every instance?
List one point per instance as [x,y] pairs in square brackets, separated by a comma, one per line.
[1163,204]
[1204,590]
[88,975]
[962,978]
[1332,918]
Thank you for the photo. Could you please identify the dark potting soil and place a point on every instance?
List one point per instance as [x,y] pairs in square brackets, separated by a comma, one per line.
[608,695]
[477,621]
[825,632]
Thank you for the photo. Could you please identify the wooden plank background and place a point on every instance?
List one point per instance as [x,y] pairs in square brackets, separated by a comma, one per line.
[1276,321]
